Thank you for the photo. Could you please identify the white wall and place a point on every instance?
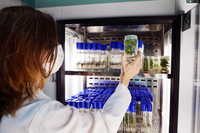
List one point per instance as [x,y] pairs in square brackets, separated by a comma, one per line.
[183,5]
[5,3]
[122,9]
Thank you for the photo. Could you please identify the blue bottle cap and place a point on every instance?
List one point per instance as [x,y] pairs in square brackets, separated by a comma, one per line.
[94,94]
[87,104]
[133,101]
[149,107]
[80,93]
[82,104]
[72,103]
[133,98]
[128,109]
[104,47]
[78,45]
[78,104]
[138,98]
[99,45]
[94,45]
[143,99]
[87,98]
[67,102]
[84,46]
[122,48]
[118,45]
[148,101]
[88,45]
[91,98]
[140,43]
[151,98]
[142,95]
[80,99]
[73,97]
[99,105]
[143,106]
[112,45]
[95,100]
[103,103]
[94,105]
[133,107]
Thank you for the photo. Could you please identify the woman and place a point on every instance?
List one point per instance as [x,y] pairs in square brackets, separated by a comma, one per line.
[28,55]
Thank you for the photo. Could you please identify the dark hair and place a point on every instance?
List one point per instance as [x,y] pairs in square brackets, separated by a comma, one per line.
[28,39]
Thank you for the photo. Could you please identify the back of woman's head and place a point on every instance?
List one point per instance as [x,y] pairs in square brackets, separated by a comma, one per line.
[28,39]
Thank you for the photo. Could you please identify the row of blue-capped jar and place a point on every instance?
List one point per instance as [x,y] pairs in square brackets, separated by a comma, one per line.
[91,55]
[95,55]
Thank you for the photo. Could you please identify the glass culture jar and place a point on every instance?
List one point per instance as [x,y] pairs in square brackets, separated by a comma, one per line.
[156,64]
[146,64]
[131,46]
[164,63]
[151,59]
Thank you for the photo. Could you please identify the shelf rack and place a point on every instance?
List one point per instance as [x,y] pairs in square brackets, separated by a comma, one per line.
[140,75]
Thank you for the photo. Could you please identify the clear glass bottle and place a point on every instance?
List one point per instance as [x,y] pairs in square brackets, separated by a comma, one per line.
[84,55]
[138,105]
[164,63]
[78,55]
[151,58]
[118,55]
[149,115]
[131,46]
[103,56]
[146,64]
[98,55]
[88,60]
[112,55]
[93,56]
[126,122]
[141,49]
[156,64]
[133,117]
[143,115]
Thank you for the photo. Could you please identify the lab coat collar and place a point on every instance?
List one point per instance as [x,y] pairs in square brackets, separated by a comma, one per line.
[38,96]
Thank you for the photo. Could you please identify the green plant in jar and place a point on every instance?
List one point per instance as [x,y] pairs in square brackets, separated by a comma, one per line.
[131,44]
[156,64]
[133,121]
[164,63]
[151,63]
[146,64]
[138,109]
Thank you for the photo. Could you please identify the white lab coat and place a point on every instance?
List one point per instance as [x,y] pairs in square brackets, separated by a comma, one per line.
[44,115]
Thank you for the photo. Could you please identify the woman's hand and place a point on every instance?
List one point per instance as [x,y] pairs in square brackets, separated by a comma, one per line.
[129,70]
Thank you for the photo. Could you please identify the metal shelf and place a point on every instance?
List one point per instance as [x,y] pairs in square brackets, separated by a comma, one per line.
[103,73]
